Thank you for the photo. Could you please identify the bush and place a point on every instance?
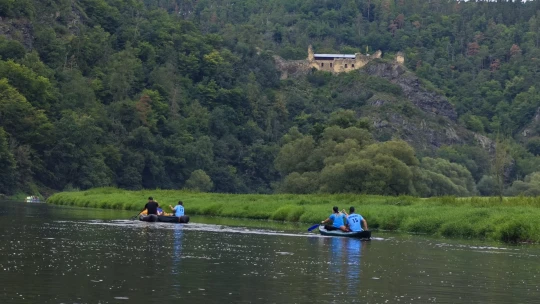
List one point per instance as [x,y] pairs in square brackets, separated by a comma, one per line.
[319,78]
[514,231]
[289,213]
[487,185]
[533,145]
[457,229]
[199,181]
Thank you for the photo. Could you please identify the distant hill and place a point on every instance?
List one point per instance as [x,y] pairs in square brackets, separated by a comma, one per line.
[172,94]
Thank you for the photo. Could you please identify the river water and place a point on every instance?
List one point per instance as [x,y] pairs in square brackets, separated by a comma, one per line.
[51,254]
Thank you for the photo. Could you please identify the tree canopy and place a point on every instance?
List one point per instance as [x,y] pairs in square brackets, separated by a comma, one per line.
[180,93]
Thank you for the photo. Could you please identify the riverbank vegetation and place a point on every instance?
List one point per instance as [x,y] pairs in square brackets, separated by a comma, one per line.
[515,219]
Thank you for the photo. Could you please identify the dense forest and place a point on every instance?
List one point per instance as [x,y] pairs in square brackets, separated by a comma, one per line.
[186,94]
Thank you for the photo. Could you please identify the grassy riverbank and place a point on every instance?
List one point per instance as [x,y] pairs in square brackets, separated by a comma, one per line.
[516,219]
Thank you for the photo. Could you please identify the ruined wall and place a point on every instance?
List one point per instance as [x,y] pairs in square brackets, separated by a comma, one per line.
[290,68]
[400,58]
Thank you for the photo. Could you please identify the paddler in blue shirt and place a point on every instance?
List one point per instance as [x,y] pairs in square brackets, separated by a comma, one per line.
[178,209]
[338,221]
[354,219]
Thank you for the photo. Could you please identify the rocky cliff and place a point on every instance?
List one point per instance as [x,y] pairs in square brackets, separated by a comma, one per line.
[424,118]
[18,29]
[427,101]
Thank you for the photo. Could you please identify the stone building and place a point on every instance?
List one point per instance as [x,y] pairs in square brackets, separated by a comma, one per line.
[338,63]
[334,63]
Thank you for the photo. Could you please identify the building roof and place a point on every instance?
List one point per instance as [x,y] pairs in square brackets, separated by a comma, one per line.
[345,56]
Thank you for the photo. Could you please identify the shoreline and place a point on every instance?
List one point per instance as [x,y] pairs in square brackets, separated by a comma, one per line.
[515,220]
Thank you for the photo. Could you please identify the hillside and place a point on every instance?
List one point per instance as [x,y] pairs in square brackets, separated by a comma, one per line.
[173,94]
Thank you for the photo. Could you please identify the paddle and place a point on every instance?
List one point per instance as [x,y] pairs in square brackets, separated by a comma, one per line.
[135,217]
[313,227]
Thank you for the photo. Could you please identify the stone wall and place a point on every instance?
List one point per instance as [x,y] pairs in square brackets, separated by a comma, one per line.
[291,68]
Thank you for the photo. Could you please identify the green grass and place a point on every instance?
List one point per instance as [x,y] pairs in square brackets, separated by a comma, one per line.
[515,219]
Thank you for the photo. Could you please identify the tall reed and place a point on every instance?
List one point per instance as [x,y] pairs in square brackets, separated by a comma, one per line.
[515,219]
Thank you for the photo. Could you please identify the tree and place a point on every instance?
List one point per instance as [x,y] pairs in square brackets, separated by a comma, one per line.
[199,181]
[125,70]
[533,145]
[37,89]
[20,119]
[307,182]
[143,93]
[530,186]
[7,166]
[343,119]
[296,156]
[446,178]
[473,48]
[487,185]
[500,163]
[11,49]
[75,158]
[515,51]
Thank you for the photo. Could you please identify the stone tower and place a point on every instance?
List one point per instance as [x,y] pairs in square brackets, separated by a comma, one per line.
[400,58]
[311,55]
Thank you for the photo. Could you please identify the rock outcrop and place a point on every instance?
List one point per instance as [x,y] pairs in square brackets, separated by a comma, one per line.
[18,29]
[429,102]
[533,128]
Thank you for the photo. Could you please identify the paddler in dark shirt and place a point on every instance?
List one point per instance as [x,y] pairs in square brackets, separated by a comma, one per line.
[152,206]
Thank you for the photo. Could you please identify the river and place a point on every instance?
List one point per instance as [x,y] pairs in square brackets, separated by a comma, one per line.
[51,254]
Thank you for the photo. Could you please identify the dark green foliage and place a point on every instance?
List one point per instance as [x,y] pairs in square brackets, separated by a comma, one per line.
[444,178]
[475,159]
[533,146]
[530,186]
[199,181]
[346,160]
[11,49]
[142,94]
[7,166]
[16,8]
[487,185]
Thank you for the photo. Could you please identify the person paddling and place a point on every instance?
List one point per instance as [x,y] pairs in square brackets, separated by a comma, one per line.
[178,209]
[337,219]
[151,207]
[354,219]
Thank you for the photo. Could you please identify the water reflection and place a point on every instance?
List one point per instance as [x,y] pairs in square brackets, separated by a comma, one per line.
[336,250]
[177,249]
[354,254]
[345,262]
[68,256]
